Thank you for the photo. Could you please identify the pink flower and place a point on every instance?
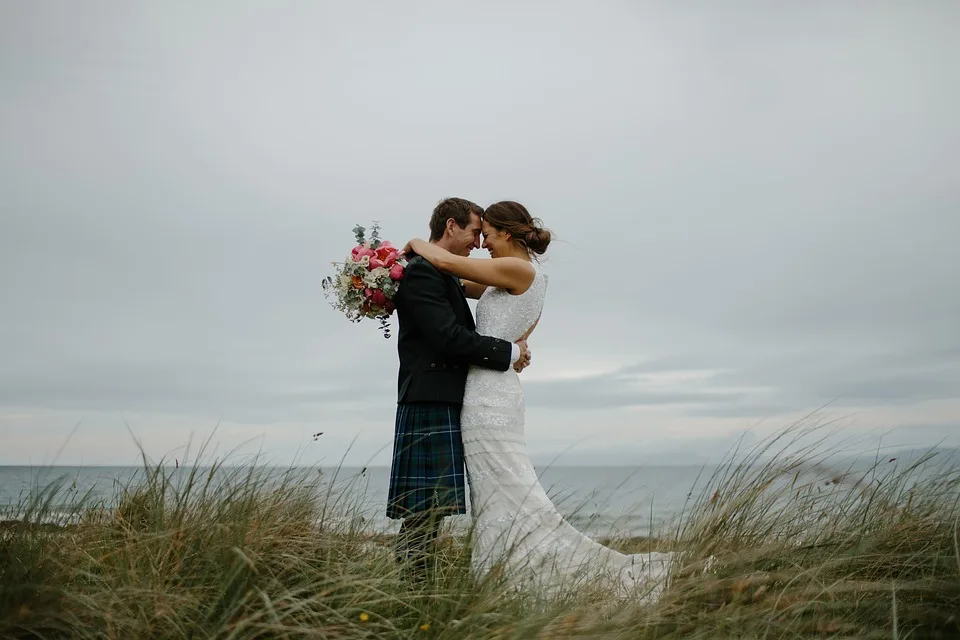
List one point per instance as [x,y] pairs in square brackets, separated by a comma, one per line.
[396,271]
[359,251]
[378,298]
[386,254]
[368,292]
[374,264]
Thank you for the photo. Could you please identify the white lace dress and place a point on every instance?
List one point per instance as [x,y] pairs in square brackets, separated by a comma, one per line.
[516,526]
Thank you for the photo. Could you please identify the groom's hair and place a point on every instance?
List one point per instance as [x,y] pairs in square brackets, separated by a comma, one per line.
[458,209]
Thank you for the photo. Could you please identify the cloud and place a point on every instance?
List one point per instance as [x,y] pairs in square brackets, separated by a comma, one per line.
[745,385]
[183,389]
[755,210]
[619,389]
[884,378]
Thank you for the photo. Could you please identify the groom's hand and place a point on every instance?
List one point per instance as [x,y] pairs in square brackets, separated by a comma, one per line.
[524,360]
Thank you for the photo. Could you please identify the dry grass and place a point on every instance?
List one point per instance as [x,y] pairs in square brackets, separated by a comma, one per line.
[240,553]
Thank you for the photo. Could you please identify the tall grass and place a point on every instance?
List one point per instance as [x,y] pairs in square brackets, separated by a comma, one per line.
[800,549]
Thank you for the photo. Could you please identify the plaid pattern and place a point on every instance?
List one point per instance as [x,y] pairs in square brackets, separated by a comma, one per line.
[427,470]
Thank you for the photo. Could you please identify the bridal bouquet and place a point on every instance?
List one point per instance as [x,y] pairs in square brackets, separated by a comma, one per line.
[365,284]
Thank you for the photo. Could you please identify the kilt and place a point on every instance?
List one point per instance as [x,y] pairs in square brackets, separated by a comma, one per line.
[427,471]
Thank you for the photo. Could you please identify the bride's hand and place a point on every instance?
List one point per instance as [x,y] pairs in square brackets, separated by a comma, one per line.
[439,258]
[414,246]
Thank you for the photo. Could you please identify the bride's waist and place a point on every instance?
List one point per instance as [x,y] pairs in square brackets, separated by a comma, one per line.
[480,381]
[483,372]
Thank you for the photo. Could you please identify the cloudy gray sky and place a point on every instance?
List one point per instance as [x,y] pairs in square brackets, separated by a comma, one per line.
[758,207]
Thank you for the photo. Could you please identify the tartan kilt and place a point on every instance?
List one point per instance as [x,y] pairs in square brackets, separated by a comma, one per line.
[427,472]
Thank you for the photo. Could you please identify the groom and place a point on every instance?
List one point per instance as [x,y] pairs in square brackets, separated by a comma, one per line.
[437,342]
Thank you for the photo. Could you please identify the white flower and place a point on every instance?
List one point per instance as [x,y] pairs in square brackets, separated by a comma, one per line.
[377,276]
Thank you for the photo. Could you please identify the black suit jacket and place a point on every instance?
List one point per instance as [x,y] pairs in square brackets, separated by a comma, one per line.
[437,340]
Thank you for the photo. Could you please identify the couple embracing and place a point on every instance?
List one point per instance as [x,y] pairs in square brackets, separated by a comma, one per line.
[460,411]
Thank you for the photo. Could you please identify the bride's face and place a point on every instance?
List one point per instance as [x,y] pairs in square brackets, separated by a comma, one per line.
[496,242]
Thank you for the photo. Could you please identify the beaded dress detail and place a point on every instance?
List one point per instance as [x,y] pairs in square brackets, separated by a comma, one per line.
[516,526]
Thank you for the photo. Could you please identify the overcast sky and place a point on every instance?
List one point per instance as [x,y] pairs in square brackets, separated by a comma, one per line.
[757,205]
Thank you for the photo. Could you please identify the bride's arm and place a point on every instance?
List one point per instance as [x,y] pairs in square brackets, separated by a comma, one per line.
[513,274]
[473,290]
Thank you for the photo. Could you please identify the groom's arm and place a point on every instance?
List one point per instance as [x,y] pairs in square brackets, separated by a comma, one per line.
[423,294]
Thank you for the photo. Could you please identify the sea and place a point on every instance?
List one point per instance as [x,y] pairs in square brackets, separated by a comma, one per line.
[600,501]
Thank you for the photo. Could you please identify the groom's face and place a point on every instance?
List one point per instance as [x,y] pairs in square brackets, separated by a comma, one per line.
[463,241]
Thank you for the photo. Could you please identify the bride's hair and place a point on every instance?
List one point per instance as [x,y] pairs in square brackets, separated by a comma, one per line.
[513,218]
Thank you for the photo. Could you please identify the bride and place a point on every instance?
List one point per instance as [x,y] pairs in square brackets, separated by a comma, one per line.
[517,529]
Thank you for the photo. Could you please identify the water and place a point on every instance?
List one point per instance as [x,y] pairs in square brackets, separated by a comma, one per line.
[600,501]
[597,500]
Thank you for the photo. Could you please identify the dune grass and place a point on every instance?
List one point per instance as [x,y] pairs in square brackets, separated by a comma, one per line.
[801,550]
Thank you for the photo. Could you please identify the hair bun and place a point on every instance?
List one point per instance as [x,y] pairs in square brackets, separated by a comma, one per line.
[538,239]
[513,218]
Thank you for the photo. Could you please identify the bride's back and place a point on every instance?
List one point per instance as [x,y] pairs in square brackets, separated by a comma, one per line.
[506,316]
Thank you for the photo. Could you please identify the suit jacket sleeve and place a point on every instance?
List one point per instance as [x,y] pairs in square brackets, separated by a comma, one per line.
[423,295]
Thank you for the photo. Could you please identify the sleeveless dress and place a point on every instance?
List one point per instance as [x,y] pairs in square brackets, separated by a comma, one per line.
[516,528]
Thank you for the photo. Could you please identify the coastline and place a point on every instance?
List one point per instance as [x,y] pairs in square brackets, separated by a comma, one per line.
[253,559]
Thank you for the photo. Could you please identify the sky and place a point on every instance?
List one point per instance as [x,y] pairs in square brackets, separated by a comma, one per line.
[756,208]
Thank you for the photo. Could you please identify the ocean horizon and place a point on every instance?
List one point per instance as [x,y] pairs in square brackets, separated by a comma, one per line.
[600,500]
[612,500]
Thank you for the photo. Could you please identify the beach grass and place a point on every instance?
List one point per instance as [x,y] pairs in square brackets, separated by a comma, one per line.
[800,549]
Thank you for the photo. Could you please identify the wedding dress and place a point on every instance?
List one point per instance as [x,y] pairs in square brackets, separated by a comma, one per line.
[516,527]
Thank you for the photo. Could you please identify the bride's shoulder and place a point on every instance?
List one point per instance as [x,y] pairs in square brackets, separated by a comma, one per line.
[539,273]
[518,264]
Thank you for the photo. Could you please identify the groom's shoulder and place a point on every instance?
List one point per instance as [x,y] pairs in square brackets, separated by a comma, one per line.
[418,263]
[419,273]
